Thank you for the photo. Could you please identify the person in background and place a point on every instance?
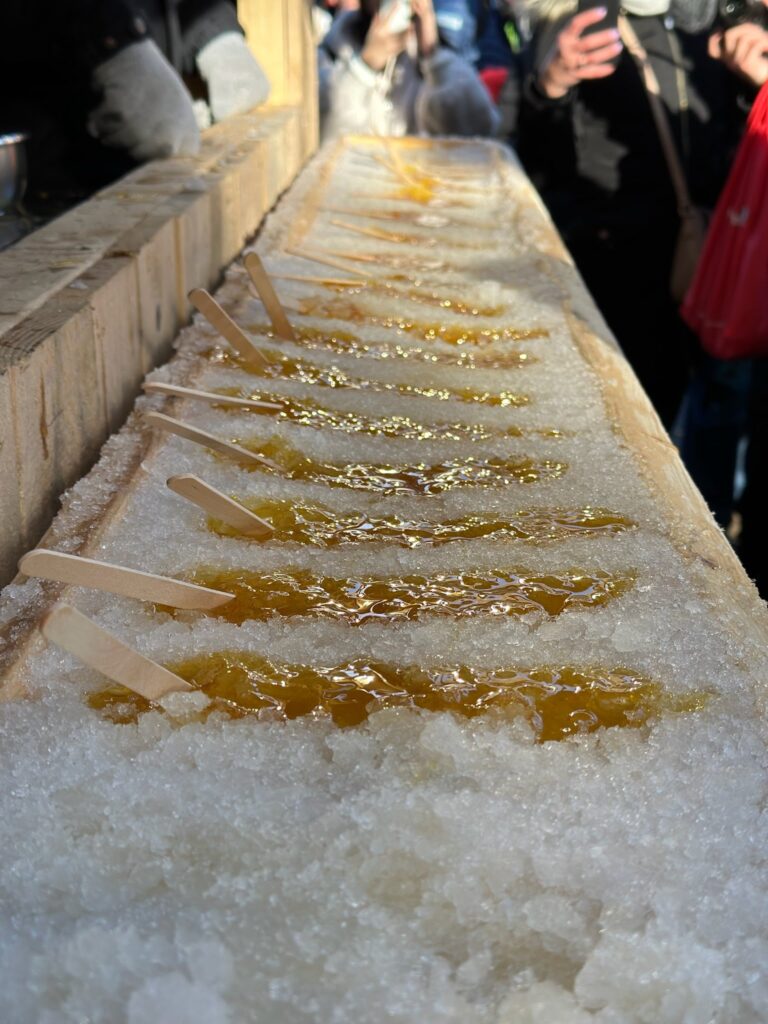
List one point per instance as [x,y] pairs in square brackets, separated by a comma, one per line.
[489,34]
[727,401]
[486,33]
[380,76]
[323,13]
[721,407]
[458,25]
[92,84]
[494,35]
[587,137]
[203,41]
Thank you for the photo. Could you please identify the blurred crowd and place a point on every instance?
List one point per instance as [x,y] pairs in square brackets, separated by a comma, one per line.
[626,118]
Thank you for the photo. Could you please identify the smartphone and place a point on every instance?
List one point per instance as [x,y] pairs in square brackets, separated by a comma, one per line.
[402,17]
[611,20]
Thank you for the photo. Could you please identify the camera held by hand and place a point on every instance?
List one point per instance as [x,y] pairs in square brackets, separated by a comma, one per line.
[742,12]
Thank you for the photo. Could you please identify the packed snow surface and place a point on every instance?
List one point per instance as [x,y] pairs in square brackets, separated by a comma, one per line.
[420,868]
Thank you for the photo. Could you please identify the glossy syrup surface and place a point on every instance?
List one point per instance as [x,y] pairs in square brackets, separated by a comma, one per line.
[343,308]
[315,524]
[303,372]
[415,291]
[307,413]
[556,701]
[385,479]
[419,187]
[346,343]
[360,599]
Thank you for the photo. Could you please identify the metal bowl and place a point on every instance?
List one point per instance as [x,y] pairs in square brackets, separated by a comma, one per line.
[13,170]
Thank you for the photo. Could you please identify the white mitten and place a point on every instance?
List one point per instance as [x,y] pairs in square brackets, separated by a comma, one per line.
[146,109]
[234,77]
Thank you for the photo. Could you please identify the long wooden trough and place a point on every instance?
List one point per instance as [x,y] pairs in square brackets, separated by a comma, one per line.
[480,736]
[92,301]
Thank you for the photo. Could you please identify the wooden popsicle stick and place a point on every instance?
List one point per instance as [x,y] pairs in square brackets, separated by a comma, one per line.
[220,506]
[328,282]
[358,229]
[394,217]
[157,388]
[268,296]
[202,437]
[116,579]
[323,257]
[392,168]
[401,168]
[364,257]
[66,627]
[226,326]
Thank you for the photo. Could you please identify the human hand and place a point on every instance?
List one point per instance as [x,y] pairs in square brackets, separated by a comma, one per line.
[381,44]
[577,57]
[744,50]
[234,77]
[426,26]
[145,109]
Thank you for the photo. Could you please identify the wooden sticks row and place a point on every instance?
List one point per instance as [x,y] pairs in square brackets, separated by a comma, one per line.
[75,632]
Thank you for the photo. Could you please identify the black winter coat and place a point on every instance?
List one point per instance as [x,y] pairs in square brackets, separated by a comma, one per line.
[596,155]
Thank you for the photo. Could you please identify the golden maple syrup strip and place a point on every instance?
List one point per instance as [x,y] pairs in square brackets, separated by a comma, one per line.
[424,479]
[320,526]
[557,702]
[422,240]
[343,308]
[346,343]
[359,600]
[413,293]
[332,377]
[306,413]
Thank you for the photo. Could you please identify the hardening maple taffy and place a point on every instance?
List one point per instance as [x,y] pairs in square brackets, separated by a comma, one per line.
[479,736]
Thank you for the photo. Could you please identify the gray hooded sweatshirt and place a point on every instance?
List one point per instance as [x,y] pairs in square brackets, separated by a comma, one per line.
[439,95]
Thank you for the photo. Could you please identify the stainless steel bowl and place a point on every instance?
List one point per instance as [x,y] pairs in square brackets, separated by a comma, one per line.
[13,170]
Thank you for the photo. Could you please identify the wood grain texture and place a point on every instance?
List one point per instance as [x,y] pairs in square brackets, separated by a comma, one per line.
[220,506]
[221,321]
[266,292]
[92,301]
[691,528]
[117,579]
[215,444]
[100,650]
[211,397]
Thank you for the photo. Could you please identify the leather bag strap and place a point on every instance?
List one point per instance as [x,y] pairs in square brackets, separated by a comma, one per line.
[661,120]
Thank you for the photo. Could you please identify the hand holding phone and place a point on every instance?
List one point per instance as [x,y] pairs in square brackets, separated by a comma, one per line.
[610,20]
[582,51]
[396,14]
[382,43]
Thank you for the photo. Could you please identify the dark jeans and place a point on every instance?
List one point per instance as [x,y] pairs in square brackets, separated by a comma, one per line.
[753,546]
[712,424]
[629,281]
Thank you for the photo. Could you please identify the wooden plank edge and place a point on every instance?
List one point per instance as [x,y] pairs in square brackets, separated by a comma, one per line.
[692,528]
[20,637]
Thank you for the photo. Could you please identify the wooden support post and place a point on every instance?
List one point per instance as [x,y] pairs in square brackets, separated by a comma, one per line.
[281,37]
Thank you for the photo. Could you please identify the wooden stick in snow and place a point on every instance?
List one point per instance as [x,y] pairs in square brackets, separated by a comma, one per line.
[220,506]
[268,295]
[212,397]
[226,326]
[226,448]
[325,258]
[66,627]
[117,579]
